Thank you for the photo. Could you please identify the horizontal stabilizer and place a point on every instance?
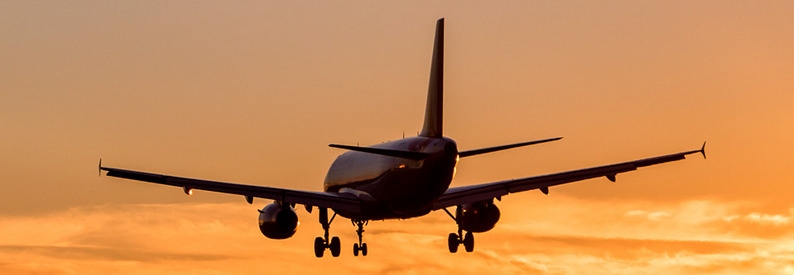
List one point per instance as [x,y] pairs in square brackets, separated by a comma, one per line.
[386,152]
[503,147]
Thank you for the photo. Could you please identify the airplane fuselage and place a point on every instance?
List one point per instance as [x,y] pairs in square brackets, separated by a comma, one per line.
[395,188]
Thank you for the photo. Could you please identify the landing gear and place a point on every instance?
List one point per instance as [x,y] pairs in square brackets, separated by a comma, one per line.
[335,246]
[321,243]
[468,242]
[360,246]
[319,247]
[454,240]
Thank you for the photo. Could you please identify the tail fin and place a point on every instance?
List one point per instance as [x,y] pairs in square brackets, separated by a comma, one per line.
[434,113]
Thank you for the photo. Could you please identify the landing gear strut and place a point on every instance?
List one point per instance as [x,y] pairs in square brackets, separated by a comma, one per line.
[360,246]
[454,240]
[321,243]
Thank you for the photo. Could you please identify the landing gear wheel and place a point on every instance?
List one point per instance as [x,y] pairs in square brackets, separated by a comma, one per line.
[468,242]
[355,249]
[319,247]
[453,242]
[364,249]
[335,247]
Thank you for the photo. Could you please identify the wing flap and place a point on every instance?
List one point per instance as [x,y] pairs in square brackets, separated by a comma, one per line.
[335,201]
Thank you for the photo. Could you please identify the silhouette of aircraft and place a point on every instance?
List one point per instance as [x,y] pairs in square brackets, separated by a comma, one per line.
[399,179]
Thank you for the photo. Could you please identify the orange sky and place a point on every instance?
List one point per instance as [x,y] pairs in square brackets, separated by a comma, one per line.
[253,92]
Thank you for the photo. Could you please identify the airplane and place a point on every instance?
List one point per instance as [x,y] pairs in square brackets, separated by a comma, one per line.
[400,179]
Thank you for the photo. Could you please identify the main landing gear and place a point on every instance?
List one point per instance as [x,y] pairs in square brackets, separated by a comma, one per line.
[321,243]
[454,240]
[360,246]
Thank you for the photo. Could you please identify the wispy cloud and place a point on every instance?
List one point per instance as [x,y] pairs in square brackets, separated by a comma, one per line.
[545,235]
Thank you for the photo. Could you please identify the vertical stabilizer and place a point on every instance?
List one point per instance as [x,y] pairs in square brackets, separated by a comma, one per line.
[434,112]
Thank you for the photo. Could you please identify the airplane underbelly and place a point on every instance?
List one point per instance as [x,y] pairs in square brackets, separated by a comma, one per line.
[409,192]
[398,194]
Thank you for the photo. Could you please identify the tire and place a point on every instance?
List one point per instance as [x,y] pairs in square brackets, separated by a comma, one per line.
[335,246]
[452,242]
[468,242]
[364,249]
[355,249]
[319,247]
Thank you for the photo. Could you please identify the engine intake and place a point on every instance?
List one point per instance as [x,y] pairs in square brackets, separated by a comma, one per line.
[278,220]
[478,217]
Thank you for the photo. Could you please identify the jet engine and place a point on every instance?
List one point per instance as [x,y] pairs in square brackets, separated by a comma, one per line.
[278,220]
[478,217]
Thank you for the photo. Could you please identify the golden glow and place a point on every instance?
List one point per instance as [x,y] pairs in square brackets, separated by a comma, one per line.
[253,92]
[685,237]
[455,168]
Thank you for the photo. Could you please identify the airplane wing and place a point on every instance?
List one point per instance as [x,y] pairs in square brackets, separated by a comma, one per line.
[486,191]
[336,201]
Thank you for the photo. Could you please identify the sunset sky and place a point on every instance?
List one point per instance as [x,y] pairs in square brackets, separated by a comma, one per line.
[254,91]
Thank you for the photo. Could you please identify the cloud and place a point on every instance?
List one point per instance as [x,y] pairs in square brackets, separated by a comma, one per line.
[557,235]
[766,218]
[655,216]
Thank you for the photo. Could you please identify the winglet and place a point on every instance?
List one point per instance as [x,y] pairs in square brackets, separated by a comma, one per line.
[99,167]
[703,150]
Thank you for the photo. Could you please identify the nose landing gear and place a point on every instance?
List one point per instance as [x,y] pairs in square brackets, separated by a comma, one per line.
[360,246]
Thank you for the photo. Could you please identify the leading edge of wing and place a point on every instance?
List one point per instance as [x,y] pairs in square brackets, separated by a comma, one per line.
[486,191]
[320,199]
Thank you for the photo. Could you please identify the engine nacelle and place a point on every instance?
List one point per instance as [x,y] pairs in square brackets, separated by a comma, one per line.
[478,217]
[278,220]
